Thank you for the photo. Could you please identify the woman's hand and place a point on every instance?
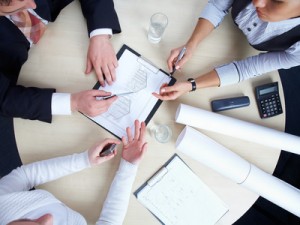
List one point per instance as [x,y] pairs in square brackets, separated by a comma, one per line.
[135,145]
[174,56]
[94,152]
[173,92]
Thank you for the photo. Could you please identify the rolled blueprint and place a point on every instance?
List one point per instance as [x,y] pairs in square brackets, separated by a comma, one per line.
[210,153]
[203,119]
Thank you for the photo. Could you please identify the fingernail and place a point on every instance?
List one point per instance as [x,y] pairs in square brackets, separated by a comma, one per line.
[177,67]
[163,90]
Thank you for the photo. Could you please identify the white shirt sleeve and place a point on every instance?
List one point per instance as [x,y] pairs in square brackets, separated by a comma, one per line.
[116,203]
[259,64]
[28,176]
[216,10]
[61,104]
[101,31]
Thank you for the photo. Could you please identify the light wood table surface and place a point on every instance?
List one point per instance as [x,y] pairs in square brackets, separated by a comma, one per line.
[59,61]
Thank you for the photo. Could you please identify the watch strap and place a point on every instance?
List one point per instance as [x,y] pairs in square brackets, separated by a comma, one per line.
[193,82]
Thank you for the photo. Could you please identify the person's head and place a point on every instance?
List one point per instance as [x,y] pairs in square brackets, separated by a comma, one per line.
[46,219]
[277,10]
[9,7]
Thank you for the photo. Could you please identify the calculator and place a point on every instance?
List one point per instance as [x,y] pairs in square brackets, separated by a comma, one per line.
[268,100]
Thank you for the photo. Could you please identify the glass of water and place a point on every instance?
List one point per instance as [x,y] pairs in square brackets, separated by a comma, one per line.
[158,24]
[161,132]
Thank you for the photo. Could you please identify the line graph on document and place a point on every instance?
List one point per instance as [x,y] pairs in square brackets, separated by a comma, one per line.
[122,106]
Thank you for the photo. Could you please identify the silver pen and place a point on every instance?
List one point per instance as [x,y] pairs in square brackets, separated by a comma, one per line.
[181,54]
[110,96]
[120,94]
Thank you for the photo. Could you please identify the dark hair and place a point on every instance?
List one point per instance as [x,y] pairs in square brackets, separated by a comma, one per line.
[5,2]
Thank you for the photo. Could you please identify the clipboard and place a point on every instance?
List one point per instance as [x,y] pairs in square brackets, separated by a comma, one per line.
[134,74]
[176,197]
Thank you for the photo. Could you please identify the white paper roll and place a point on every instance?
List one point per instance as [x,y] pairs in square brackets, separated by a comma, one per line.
[274,189]
[203,119]
[228,164]
[208,152]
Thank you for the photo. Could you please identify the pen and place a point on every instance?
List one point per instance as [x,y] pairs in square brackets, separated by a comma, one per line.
[120,94]
[181,54]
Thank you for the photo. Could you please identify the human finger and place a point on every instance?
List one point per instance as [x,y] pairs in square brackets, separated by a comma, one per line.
[112,70]
[136,130]
[106,72]
[129,135]
[99,75]
[142,132]
[89,66]
[173,55]
[124,140]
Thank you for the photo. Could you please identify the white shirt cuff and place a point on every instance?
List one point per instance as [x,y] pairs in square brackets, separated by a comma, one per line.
[228,74]
[101,31]
[61,104]
[127,167]
[212,14]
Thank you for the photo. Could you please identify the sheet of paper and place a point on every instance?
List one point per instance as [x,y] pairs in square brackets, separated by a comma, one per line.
[137,75]
[204,119]
[176,195]
[212,154]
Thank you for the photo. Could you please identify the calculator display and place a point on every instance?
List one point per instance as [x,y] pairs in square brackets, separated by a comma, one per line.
[268,100]
[267,90]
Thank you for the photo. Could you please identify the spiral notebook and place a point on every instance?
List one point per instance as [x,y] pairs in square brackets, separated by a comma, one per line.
[175,195]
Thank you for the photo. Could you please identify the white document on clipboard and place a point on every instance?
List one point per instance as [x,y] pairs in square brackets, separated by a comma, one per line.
[176,196]
[133,74]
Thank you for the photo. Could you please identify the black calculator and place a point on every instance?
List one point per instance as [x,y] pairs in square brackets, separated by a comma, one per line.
[268,100]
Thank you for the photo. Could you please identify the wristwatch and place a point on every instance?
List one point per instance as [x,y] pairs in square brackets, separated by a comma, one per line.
[193,82]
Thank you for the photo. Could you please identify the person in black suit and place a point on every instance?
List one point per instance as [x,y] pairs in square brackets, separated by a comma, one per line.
[40,104]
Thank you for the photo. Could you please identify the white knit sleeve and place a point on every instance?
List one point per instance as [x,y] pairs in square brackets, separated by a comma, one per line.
[116,203]
[27,176]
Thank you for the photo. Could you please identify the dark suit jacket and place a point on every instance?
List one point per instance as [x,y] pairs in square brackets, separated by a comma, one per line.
[35,103]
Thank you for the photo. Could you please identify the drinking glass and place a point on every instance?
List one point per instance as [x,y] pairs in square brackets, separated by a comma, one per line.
[158,24]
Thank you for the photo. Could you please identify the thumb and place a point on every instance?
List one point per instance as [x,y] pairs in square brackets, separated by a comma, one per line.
[180,64]
[168,89]
[99,93]
[88,68]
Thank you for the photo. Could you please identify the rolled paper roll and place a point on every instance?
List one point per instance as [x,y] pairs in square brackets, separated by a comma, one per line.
[200,147]
[210,153]
[203,119]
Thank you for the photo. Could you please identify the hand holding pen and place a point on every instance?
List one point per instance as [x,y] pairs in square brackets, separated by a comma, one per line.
[177,54]
[87,102]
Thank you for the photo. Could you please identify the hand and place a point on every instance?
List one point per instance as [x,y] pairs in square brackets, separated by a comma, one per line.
[173,92]
[174,55]
[135,147]
[94,152]
[101,56]
[87,103]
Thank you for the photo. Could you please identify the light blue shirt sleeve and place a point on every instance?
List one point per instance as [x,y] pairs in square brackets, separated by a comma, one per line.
[216,10]
[259,64]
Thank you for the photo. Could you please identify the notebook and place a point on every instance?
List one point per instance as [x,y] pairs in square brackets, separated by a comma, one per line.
[175,195]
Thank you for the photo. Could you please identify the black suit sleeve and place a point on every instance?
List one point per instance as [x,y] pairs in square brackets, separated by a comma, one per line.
[28,103]
[100,14]
[19,101]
